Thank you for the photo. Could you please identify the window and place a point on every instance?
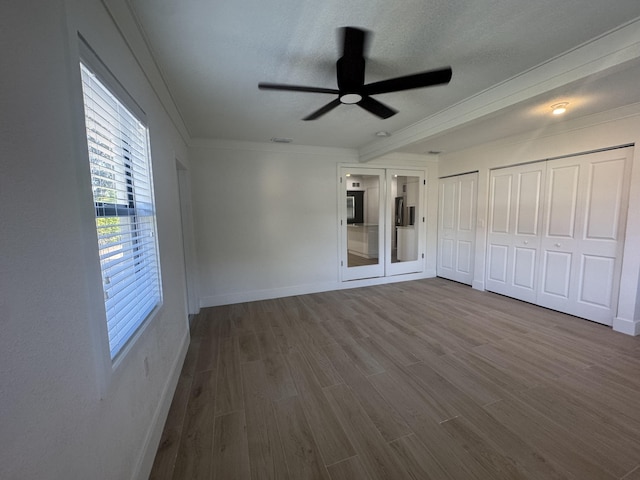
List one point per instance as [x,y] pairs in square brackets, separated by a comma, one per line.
[125,213]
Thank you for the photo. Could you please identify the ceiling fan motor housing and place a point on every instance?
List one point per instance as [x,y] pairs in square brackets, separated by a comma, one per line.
[350,76]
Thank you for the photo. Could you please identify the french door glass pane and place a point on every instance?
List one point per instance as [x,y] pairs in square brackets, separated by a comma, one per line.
[363,222]
[404,226]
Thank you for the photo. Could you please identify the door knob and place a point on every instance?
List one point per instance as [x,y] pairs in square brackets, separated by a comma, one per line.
[526,242]
[558,245]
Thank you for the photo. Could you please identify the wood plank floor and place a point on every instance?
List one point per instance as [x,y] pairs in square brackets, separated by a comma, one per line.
[417,380]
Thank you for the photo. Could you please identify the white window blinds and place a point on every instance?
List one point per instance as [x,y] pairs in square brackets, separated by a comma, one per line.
[125,214]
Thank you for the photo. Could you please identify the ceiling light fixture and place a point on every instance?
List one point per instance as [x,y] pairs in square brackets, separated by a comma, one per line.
[382,134]
[559,108]
[350,98]
[281,140]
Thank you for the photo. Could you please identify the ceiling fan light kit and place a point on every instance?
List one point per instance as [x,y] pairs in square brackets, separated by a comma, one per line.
[350,79]
[350,98]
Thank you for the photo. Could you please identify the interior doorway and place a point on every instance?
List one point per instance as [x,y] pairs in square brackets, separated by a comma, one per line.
[188,244]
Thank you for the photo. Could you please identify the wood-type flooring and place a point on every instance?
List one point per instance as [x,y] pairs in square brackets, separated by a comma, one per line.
[416,380]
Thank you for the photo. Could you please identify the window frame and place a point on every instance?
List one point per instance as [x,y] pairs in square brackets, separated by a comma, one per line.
[125,205]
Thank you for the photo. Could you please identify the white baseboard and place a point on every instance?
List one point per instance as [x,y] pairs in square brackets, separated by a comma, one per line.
[154,432]
[367,282]
[478,285]
[266,294]
[629,327]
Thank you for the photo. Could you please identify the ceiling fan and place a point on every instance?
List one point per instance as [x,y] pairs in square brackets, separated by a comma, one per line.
[350,77]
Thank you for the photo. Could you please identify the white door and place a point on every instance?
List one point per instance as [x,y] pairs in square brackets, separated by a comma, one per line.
[457,227]
[514,230]
[582,235]
[555,232]
[362,219]
[405,223]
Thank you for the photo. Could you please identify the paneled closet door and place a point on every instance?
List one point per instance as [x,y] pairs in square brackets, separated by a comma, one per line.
[457,227]
[514,230]
[584,218]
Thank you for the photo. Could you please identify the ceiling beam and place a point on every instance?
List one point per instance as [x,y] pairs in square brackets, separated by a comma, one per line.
[595,57]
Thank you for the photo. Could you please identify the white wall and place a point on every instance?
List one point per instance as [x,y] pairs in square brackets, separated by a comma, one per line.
[266,220]
[65,414]
[614,128]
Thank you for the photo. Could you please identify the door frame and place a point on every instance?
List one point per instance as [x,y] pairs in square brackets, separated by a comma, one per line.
[187,236]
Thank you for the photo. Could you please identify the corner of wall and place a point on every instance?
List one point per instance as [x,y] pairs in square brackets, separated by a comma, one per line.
[154,433]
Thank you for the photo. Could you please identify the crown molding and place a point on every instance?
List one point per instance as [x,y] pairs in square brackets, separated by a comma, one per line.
[342,154]
[129,27]
[594,57]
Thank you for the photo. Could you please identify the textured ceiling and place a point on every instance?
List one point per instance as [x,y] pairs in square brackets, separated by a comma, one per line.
[213,53]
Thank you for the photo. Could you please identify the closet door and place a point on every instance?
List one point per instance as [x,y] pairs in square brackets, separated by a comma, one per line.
[581,240]
[457,227]
[514,230]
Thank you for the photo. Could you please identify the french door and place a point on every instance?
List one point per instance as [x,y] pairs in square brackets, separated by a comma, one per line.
[382,222]
[555,232]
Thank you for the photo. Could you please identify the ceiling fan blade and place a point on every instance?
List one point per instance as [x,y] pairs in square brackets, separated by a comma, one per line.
[417,80]
[296,88]
[321,111]
[376,107]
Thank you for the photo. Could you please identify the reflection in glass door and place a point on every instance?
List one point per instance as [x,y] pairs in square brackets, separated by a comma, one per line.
[363,231]
[404,221]
[382,222]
